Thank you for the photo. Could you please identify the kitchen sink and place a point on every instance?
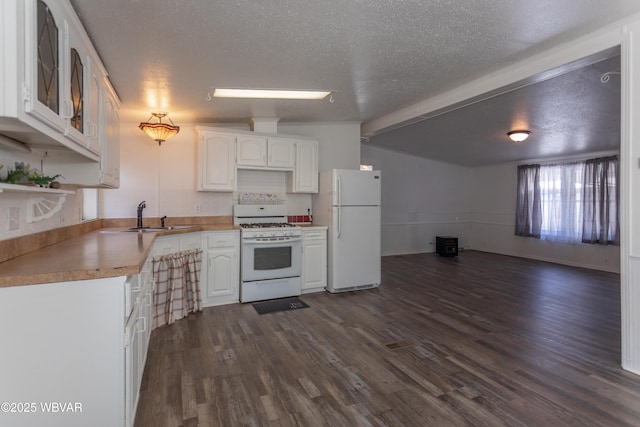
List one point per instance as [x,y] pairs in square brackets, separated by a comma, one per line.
[156,229]
[150,229]
[145,229]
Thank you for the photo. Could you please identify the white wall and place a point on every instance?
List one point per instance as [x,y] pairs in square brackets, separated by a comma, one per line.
[421,199]
[339,142]
[493,202]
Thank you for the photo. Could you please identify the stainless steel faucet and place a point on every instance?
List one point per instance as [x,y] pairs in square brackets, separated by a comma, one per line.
[141,206]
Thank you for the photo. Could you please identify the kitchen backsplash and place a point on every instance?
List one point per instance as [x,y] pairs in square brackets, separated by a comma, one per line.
[261,199]
[299,219]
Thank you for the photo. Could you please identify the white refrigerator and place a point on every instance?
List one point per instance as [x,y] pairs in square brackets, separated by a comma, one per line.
[348,202]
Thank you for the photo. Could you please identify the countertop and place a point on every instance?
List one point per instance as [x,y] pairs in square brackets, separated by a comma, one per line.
[102,253]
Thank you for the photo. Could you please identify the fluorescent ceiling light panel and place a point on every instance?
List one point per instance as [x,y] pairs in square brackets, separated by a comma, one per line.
[270,94]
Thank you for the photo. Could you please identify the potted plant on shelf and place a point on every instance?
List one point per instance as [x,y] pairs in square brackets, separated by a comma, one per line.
[23,175]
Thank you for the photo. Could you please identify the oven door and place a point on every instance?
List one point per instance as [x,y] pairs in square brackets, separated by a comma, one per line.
[271,259]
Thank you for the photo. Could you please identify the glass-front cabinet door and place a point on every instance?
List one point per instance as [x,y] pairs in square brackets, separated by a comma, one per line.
[81,126]
[79,92]
[45,30]
[57,88]
[48,59]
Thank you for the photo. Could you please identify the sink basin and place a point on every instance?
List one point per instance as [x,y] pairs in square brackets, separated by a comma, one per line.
[150,229]
[145,229]
[155,229]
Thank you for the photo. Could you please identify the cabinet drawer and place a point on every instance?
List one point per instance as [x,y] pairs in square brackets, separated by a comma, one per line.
[190,241]
[314,235]
[216,240]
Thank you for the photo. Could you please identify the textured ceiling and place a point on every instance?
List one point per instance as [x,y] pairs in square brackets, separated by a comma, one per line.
[378,55]
[572,114]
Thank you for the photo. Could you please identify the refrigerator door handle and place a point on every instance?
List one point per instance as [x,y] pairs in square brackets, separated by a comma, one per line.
[339,191]
[339,221]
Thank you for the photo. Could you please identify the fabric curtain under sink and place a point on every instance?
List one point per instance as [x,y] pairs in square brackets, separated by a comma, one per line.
[177,286]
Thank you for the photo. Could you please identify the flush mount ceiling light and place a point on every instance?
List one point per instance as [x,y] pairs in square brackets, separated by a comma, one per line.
[269,94]
[159,131]
[518,135]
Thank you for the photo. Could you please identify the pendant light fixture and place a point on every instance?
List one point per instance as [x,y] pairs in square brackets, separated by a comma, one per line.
[518,135]
[159,131]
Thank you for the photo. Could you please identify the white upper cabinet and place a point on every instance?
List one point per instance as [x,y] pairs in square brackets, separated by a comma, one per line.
[80,91]
[224,152]
[109,138]
[93,106]
[304,178]
[46,38]
[216,166]
[281,153]
[52,79]
[251,151]
[262,152]
[104,173]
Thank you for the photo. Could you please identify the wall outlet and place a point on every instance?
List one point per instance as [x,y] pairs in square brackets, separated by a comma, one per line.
[14,219]
[197,208]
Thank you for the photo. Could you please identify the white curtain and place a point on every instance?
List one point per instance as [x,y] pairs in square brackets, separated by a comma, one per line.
[561,200]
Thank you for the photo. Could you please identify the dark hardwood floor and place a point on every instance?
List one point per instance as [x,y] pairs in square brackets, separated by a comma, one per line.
[476,340]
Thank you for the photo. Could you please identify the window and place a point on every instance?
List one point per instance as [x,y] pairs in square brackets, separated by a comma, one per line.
[561,202]
[89,204]
[569,202]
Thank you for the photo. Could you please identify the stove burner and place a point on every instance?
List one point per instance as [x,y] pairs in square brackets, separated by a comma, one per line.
[267,225]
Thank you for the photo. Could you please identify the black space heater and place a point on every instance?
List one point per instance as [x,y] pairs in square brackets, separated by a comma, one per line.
[446,246]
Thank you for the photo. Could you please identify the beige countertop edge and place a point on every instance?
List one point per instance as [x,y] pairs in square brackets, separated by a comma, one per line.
[67,276]
[14,272]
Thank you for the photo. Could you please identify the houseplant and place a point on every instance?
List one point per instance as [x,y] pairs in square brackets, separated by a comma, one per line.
[23,174]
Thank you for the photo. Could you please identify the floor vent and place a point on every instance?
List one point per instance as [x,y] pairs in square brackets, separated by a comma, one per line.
[399,345]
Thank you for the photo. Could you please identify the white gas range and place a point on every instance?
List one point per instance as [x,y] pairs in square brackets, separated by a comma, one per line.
[271,252]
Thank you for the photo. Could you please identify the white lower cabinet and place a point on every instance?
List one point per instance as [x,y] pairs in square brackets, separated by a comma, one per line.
[220,276]
[136,339]
[74,352]
[314,260]
[220,269]
[62,355]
